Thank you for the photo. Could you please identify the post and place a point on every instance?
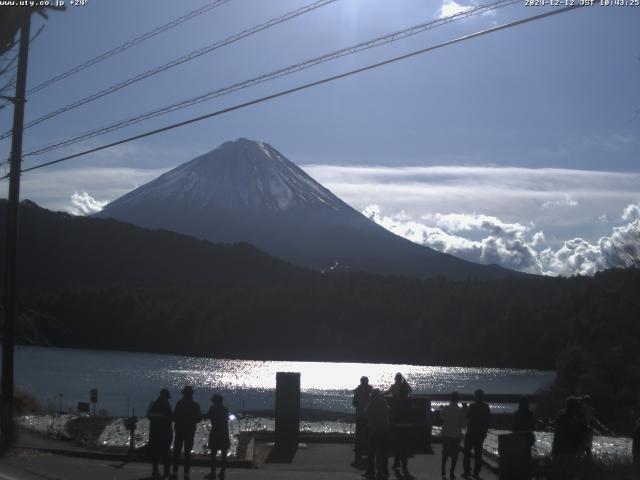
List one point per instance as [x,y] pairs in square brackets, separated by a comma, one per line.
[8,330]
[287,417]
[287,407]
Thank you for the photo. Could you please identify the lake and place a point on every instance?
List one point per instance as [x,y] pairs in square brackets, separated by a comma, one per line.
[128,381]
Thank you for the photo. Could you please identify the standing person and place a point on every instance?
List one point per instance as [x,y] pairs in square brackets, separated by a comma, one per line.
[569,437]
[160,432]
[524,423]
[478,416]
[589,415]
[400,417]
[187,415]
[454,419]
[219,436]
[361,397]
[377,414]
[523,419]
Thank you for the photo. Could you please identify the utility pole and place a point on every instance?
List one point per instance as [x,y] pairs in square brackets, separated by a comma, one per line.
[8,330]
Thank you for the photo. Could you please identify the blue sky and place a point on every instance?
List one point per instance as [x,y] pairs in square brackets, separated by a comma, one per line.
[494,140]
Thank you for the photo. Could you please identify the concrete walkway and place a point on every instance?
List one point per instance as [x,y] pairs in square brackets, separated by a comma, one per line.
[318,461]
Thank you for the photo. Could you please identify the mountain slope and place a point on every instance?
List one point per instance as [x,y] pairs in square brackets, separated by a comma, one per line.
[57,250]
[246,191]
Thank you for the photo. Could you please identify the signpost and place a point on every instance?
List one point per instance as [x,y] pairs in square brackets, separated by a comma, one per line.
[94,398]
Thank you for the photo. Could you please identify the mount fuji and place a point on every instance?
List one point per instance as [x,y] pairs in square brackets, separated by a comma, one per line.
[247,191]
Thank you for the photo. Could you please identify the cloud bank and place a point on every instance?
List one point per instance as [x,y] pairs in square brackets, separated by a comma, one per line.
[542,221]
[514,245]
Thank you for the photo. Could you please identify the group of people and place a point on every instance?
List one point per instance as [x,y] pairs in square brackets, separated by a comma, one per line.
[381,423]
[455,417]
[179,424]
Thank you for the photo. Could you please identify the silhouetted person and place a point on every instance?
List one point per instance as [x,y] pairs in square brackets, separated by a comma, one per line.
[523,420]
[478,415]
[361,397]
[454,419]
[160,432]
[219,436]
[187,415]
[400,418]
[568,439]
[524,423]
[589,416]
[377,414]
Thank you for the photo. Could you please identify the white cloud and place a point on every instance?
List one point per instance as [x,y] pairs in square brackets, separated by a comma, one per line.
[508,244]
[631,212]
[84,204]
[567,201]
[52,188]
[574,257]
[450,7]
[623,246]
[513,245]
[563,203]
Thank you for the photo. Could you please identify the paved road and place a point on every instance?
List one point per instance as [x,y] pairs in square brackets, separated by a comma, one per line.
[316,462]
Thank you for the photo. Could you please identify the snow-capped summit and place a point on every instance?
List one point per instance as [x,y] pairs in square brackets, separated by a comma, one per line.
[244,175]
[247,191]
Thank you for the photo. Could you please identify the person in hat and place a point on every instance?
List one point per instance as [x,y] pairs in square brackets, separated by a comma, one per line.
[219,436]
[160,432]
[187,415]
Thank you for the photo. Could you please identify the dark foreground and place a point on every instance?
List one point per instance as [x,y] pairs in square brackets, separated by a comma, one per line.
[318,461]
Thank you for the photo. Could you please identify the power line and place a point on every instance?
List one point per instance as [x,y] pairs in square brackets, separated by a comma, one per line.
[5,70]
[10,64]
[307,85]
[178,61]
[127,45]
[392,37]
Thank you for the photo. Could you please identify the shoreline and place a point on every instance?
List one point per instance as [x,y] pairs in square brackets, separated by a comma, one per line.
[89,434]
[248,357]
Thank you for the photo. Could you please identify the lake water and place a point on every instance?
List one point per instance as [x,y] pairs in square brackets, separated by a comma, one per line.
[128,380]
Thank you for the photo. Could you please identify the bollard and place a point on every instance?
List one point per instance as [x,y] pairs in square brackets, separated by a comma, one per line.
[287,417]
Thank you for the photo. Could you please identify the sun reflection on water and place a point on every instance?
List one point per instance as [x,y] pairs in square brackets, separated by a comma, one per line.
[325,376]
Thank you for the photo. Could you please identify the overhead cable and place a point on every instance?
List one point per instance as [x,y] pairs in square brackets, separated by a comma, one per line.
[392,37]
[125,46]
[306,86]
[10,67]
[178,61]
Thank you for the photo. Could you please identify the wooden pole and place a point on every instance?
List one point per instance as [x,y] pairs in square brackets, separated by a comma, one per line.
[8,330]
